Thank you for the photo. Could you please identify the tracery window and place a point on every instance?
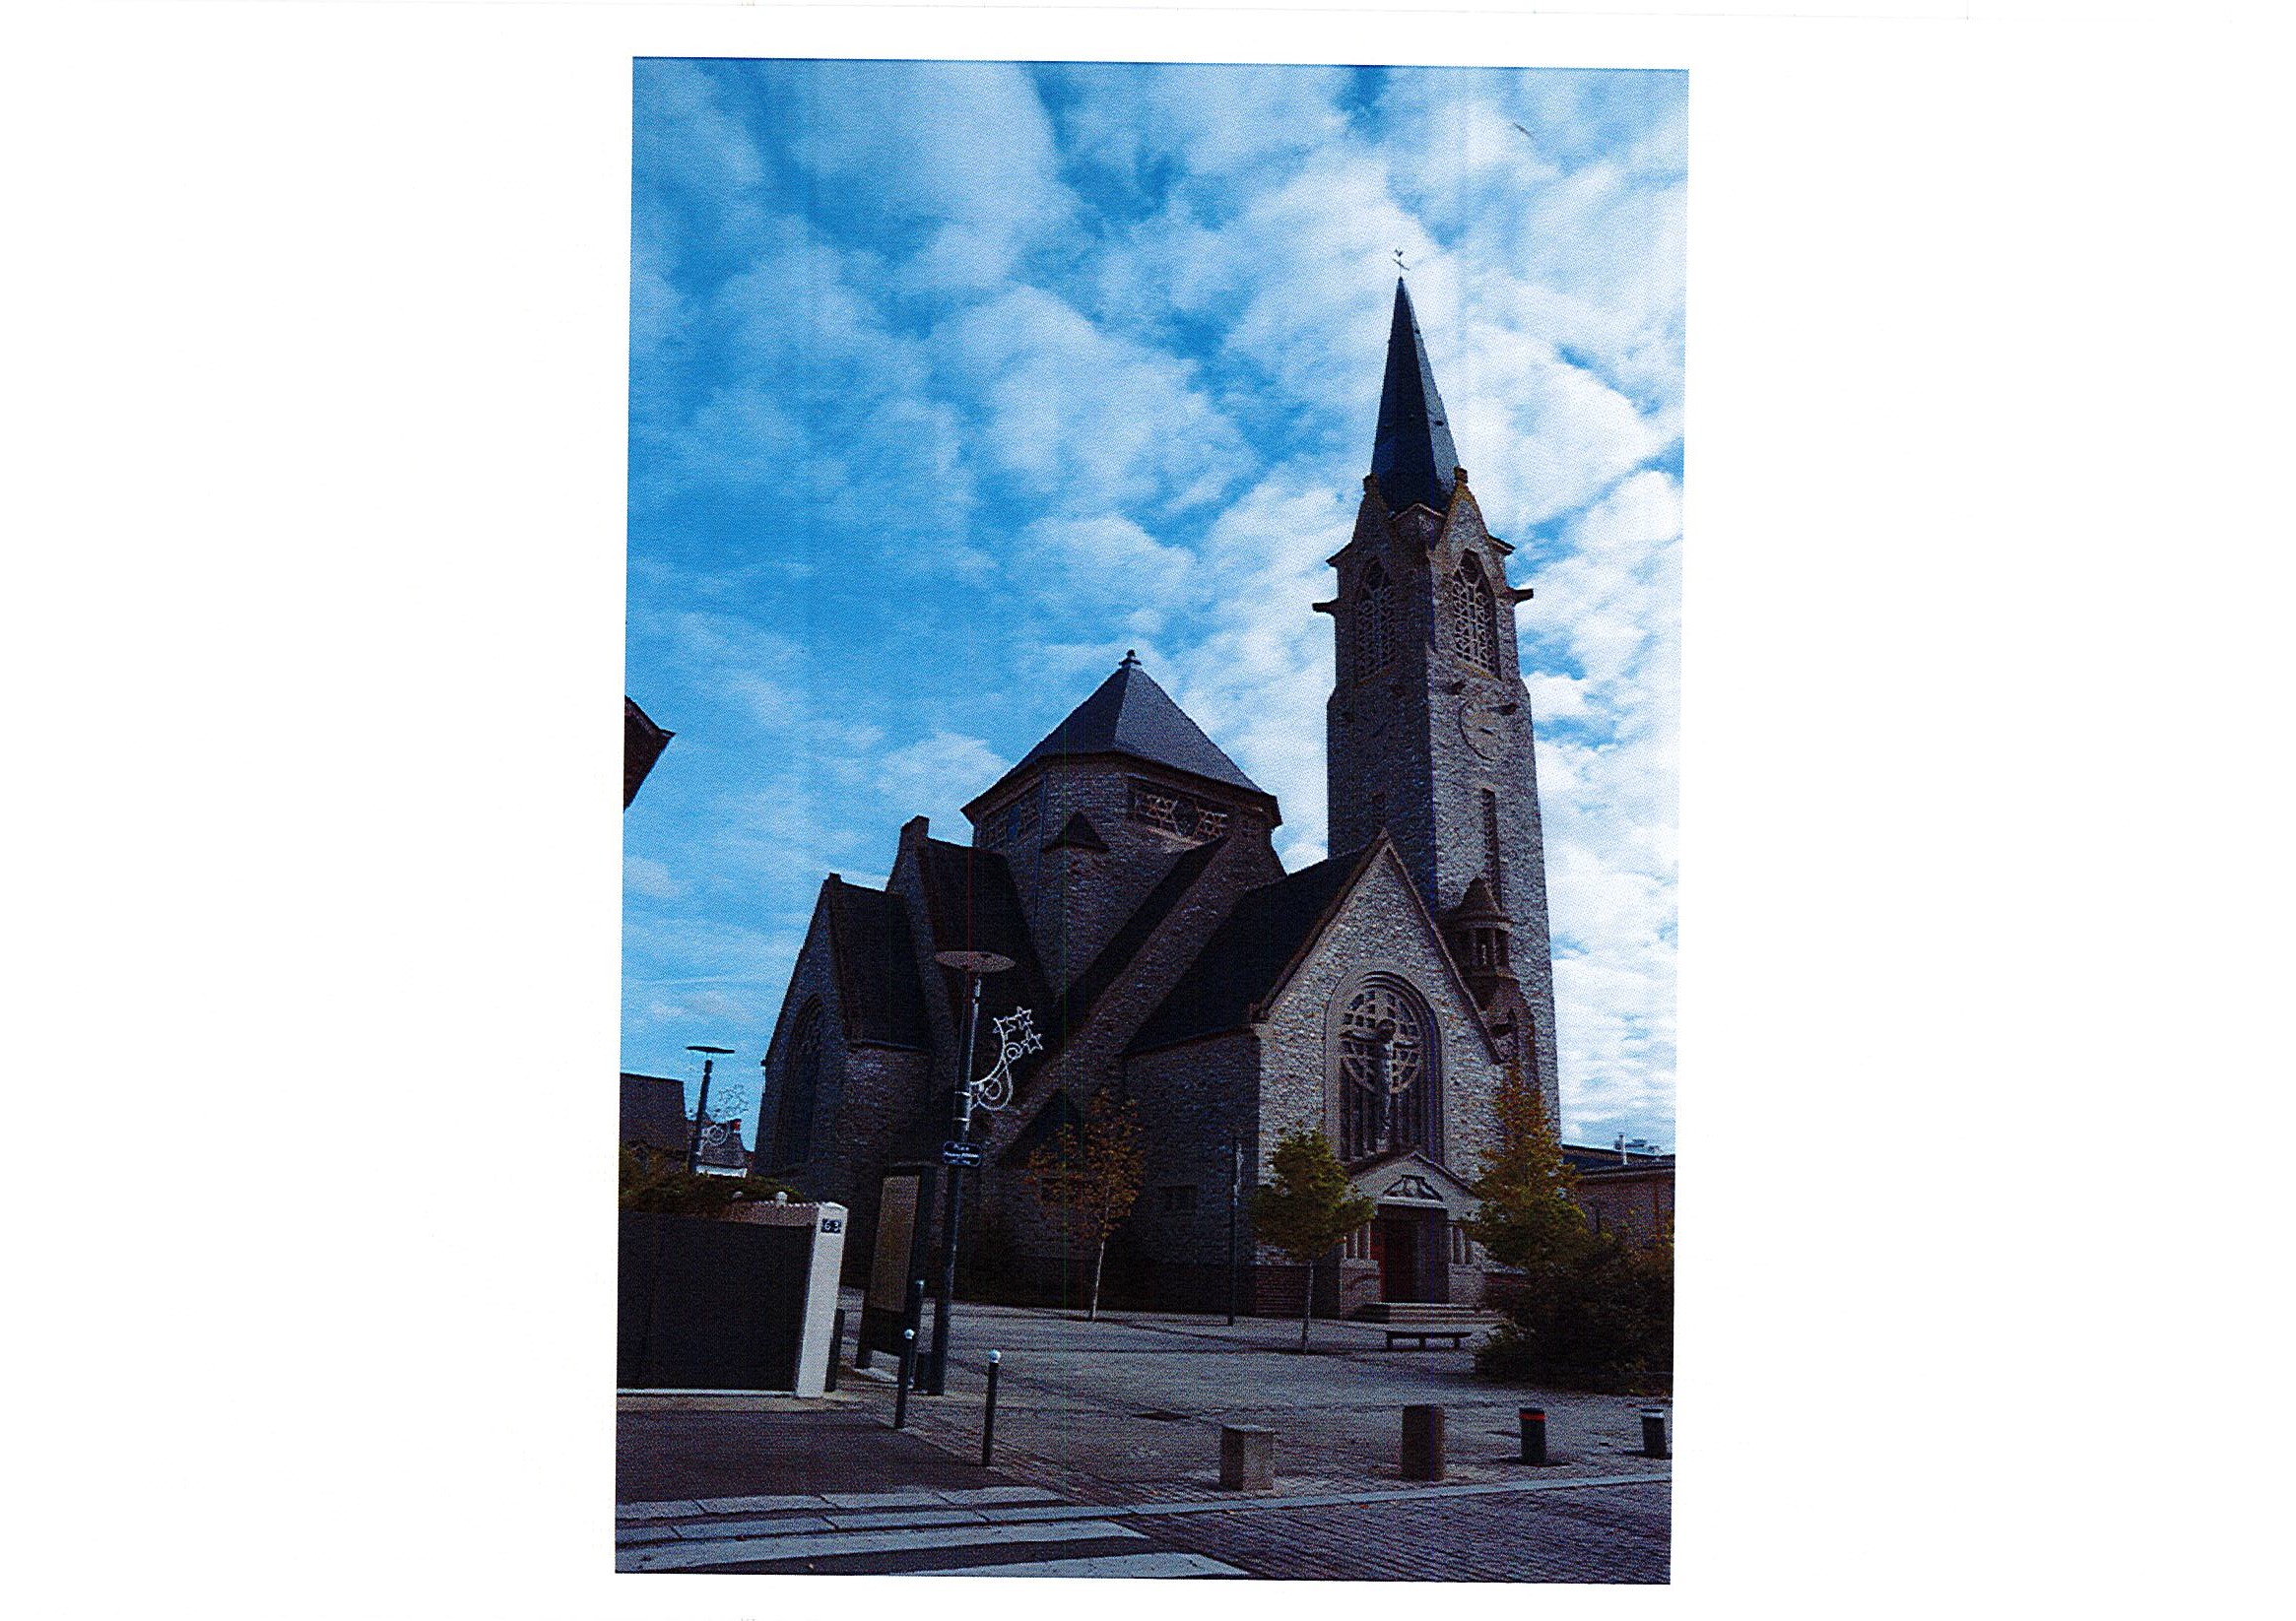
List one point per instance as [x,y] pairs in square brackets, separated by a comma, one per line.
[1172,811]
[1386,1077]
[1374,620]
[801,1085]
[1474,636]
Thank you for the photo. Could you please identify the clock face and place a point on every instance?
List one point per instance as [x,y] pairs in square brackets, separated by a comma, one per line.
[1484,727]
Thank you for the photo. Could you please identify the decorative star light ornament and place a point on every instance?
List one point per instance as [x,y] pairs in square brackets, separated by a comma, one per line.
[1016,1037]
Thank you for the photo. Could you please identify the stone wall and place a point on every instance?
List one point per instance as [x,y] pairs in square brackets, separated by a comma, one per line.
[1075,899]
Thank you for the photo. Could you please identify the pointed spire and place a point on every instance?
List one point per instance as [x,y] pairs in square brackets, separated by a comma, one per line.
[1412,458]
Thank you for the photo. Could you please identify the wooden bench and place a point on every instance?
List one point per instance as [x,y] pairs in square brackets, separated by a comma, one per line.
[1422,1335]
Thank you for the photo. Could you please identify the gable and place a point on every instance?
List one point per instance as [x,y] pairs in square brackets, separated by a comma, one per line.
[1411,1177]
[1377,921]
[875,964]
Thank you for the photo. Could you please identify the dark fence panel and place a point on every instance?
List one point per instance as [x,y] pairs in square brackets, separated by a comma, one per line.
[711,1305]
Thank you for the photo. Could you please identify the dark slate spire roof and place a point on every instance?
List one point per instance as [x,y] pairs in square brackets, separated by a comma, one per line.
[1413,458]
[1130,714]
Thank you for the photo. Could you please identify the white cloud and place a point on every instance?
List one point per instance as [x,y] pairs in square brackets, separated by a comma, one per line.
[960,151]
[1082,415]
[643,876]
[935,775]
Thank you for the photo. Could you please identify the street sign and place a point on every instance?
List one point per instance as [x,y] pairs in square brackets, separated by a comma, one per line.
[961,1153]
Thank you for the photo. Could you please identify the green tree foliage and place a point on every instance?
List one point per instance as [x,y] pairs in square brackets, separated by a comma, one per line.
[1528,1216]
[1308,1208]
[1092,1172]
[1600,1317]
[659,1184]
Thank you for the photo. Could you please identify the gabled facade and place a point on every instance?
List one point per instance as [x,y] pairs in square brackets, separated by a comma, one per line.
[1125,865]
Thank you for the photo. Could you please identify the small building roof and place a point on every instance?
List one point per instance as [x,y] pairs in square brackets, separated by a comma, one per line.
[642,743]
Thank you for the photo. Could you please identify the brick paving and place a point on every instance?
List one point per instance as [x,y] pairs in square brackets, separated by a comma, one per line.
[1608,1533]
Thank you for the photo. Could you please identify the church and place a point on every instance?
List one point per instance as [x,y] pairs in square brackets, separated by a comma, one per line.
[1124,866]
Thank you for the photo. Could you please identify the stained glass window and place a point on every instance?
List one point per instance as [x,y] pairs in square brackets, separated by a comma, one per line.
[1385,1094]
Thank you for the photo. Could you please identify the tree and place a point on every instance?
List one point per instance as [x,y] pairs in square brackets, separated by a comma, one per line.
[1308,1208]
[1093,1171]
[1529,1216]
[659,1182]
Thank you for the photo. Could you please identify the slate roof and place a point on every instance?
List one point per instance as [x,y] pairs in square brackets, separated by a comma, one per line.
[653,1113]
[1130,714]
[875,958]
[1072,1009]
[642,743]
[1241,962]
[1412,457]
[972,906]
[1077,833]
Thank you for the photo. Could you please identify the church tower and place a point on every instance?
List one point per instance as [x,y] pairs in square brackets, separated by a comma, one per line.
[1429,726]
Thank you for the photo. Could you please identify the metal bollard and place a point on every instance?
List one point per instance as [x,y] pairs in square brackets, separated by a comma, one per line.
[901,1379]
[988,1413]
[1654,1433]
[836,1345]
[1422,1442]
[1533,1433]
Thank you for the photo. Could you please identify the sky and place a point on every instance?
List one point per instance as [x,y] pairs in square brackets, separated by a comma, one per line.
[952,382]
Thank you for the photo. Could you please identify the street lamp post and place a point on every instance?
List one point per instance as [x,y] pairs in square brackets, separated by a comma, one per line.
[1235,1190]
[974,967]
[709,1056]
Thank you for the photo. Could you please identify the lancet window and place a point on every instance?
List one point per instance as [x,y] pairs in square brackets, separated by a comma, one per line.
[1474,632]
[1375,638]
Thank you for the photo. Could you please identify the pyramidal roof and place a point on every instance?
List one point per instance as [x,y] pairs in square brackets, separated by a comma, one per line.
[1412,458]
[1130,714]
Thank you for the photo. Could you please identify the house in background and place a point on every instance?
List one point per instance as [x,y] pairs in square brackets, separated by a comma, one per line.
[654,1119]
[1627,1188]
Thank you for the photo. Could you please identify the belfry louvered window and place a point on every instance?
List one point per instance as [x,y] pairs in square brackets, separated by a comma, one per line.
[1374,620]
[1474,638]
[1386,1074]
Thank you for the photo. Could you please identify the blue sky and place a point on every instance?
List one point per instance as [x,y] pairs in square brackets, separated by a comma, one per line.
[952,381]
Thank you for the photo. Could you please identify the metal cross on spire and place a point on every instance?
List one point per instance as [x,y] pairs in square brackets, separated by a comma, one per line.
[1399,259]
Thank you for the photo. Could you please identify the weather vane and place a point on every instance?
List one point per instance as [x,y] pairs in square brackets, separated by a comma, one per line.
[1399,263]
[1016,1037]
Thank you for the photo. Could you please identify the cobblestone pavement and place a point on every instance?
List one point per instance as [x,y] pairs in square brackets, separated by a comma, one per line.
[1598,1533]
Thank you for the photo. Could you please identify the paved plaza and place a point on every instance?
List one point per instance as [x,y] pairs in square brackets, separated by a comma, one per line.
[1130,1407]
[1107,1464]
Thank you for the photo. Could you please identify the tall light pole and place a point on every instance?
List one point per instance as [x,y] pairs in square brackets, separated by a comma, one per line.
[709,1056]
[957,1151]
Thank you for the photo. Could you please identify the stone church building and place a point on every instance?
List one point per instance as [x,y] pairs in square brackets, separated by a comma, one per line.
[1124,866]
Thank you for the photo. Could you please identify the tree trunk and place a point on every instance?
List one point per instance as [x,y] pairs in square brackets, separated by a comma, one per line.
[1306,1305]
[1099,1256]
